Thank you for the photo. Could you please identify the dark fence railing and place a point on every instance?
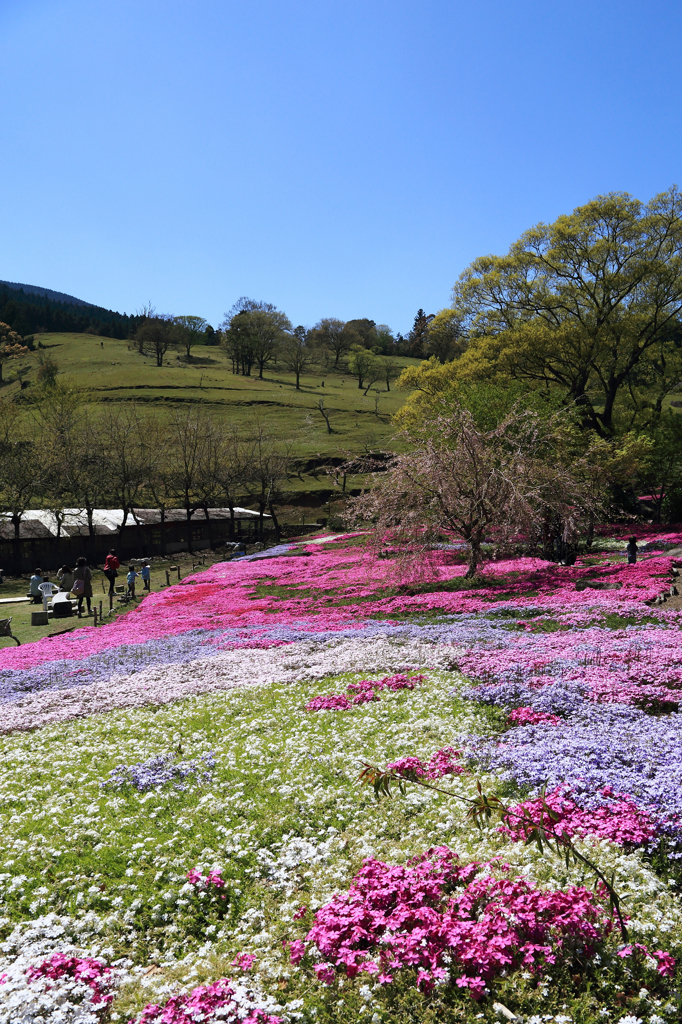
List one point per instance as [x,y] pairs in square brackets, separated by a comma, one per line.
[136,541]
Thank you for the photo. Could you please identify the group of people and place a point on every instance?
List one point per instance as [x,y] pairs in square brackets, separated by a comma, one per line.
[78,581]
[111,567]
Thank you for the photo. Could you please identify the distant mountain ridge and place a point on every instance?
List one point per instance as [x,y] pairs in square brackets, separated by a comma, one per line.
[48,293]
[29,309]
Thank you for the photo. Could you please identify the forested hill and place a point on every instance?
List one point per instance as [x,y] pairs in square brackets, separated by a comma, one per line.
[29,309]
[33,289]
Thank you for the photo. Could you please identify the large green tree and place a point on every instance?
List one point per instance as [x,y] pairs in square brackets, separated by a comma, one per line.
[589,305]
[254,332]
[189,331]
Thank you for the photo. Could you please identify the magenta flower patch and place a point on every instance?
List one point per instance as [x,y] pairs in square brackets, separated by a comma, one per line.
[397,917]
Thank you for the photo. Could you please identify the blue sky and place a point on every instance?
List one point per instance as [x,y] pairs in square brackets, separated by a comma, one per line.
[337,158]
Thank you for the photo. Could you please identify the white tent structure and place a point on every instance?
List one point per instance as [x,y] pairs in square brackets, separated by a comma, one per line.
[74,521]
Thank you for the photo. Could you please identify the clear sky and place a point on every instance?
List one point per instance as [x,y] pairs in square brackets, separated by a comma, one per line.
[335,157]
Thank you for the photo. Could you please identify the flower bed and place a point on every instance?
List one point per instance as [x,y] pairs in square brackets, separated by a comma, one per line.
[184,836]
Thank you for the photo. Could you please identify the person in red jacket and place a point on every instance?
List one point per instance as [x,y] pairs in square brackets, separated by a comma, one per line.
[111,564]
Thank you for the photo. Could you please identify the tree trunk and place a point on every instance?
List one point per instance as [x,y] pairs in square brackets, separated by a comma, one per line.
[162,513]
[474,555]
[16,543]
[271,509]
[210,525]
[590,533]
[188,511]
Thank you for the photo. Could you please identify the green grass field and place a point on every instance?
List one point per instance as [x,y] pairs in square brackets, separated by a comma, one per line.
[117,374]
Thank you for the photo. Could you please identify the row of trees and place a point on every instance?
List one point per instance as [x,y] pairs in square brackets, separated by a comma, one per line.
[255,335]
[127,457]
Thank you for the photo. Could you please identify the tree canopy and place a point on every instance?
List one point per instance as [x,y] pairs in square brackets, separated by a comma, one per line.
[588,305]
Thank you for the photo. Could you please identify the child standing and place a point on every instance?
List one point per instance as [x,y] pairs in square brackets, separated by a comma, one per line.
[130,578]
[146,576]
[632,550]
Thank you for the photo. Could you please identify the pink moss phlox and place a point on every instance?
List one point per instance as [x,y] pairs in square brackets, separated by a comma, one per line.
[244,961]
[366,697]
[620,820]
[213,882]
[201,1004]
[366,691]
[407,766]
[396,917]
[399,681]
[442,763]
[301,912]
[331,702]
[527,716]
[665,962]
[229,594]
[296,950]
[86,970]
[642,668]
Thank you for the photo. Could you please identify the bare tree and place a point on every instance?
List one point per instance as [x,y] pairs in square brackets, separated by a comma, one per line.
[124,456]
[156,446]
[269,459]
[22,471]
[82,468]
[190,431]
[325,415]
[462,480]
[231,468]
[297,353]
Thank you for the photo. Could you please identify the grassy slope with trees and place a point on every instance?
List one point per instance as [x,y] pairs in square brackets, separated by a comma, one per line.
[116,376]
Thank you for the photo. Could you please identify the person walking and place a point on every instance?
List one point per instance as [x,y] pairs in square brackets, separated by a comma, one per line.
[146,576]
[111,564]
[82,584]
[632,550]
[130,578]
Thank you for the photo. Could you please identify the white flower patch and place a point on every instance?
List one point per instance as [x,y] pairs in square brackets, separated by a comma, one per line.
[225,671]
[47,1000]
[294,862]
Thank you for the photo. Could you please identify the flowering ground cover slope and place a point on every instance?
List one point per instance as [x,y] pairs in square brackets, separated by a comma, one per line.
[184,837]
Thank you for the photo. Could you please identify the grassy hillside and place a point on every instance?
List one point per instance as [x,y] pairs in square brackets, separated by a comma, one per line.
[117,374]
